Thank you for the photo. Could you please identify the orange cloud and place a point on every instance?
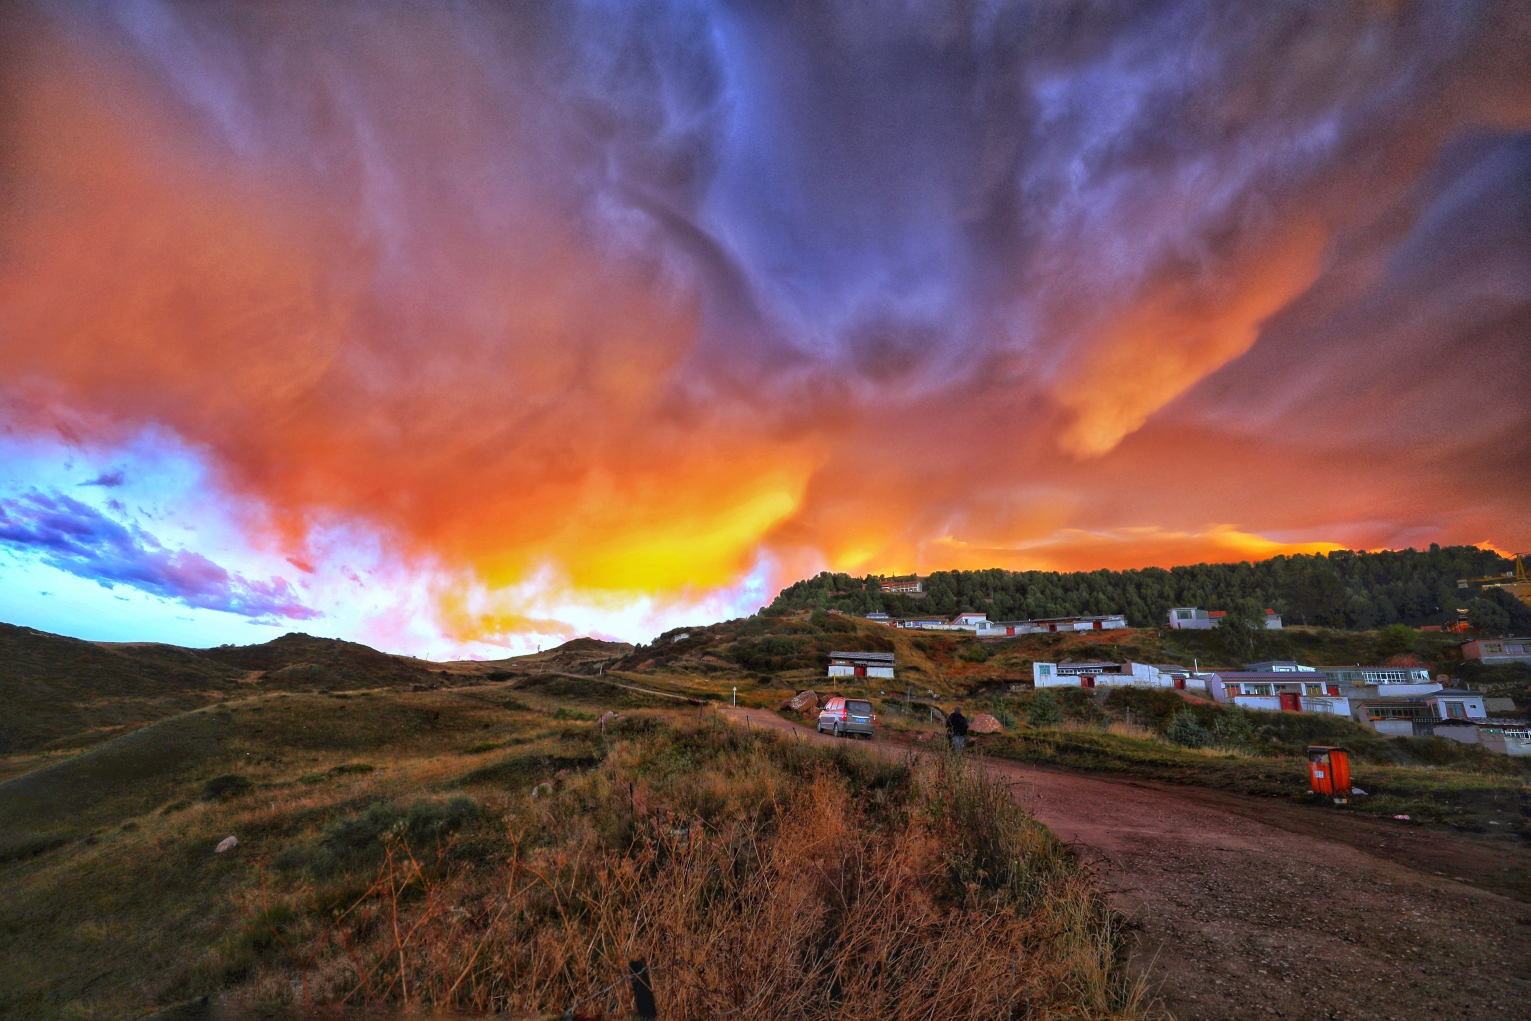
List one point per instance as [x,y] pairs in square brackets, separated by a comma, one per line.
[1119,549]
[1182,330]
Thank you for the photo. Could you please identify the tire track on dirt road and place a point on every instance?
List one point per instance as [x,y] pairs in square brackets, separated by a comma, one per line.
[1234,918]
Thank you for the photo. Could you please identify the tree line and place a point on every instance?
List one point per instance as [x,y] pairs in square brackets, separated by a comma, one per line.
[1340,589]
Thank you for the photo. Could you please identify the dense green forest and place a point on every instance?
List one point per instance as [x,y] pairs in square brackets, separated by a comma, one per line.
[1343,589]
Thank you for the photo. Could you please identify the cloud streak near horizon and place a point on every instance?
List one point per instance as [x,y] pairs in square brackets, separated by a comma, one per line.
[634,302]
[78,539]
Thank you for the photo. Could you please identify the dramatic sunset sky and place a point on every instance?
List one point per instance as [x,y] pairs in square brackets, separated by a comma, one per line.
[459,327]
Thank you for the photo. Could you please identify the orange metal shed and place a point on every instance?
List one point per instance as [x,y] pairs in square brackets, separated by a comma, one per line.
[1329,770]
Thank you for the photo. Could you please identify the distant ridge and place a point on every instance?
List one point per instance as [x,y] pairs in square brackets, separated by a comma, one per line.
[61,692]
[1342,589]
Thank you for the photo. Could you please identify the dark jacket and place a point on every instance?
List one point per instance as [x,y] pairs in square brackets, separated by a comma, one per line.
[957,724]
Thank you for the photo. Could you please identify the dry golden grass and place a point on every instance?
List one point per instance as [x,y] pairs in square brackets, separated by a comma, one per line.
[758,878]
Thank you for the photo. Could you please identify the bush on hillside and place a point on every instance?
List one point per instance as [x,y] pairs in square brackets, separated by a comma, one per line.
[976,652]
[226,787]
[1232,730]
[1396,639]
[1044,710]
[1186,732]
[360,838]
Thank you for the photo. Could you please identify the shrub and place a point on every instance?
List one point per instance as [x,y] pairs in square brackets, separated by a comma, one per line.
[1044,710]
[1185,731]
[1231,729]
[976,652]
[1395,639]
[359,839]
[481,747]
[226,787]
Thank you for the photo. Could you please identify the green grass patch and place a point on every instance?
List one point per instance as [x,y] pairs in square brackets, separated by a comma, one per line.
[1464,799]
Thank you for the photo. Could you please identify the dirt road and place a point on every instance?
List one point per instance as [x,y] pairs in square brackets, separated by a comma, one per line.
[1243,910]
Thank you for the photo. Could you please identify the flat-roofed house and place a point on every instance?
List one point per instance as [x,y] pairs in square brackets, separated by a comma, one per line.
[1051,625]
[909,584]
[1378,675]
[1108,675]
[1395,717]
[1506,736]
[1286,691]
[1457,704]
[862,664]
[1193,618]
[1498,650]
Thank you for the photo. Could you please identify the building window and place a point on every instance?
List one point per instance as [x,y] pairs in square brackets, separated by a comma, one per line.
[1257,689]
[1313,689]
[1455,711]
[1493,649]
[1046,670]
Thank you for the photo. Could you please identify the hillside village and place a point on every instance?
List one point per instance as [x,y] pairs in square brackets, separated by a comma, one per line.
[1396,682]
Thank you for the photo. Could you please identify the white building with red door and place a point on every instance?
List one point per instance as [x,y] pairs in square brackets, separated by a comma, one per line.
[1113,675]
[1050,625]
[1277,691]
[861,664]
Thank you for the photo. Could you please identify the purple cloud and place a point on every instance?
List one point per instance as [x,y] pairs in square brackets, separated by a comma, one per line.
[110,480]
[79,539]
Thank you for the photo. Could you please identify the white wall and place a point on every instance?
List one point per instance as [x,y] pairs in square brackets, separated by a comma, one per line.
[1325,704]
[1505,744]
[1466,733]
[1472,705]
[881,672]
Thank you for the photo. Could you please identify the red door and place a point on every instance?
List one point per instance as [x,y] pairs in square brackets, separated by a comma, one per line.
[1291,702]
[1319,773]
[1097,625]
[1334,689]
[1087,682]
[1180,683]
[861,671]
[1339,761]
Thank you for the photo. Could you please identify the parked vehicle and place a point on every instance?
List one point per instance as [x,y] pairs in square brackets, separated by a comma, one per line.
[843,717]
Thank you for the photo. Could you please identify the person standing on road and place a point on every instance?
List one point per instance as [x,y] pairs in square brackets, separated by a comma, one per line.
[957,727]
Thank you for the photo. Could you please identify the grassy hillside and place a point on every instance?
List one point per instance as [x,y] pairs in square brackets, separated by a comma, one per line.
[62,693]
[777,651]
[491,851]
